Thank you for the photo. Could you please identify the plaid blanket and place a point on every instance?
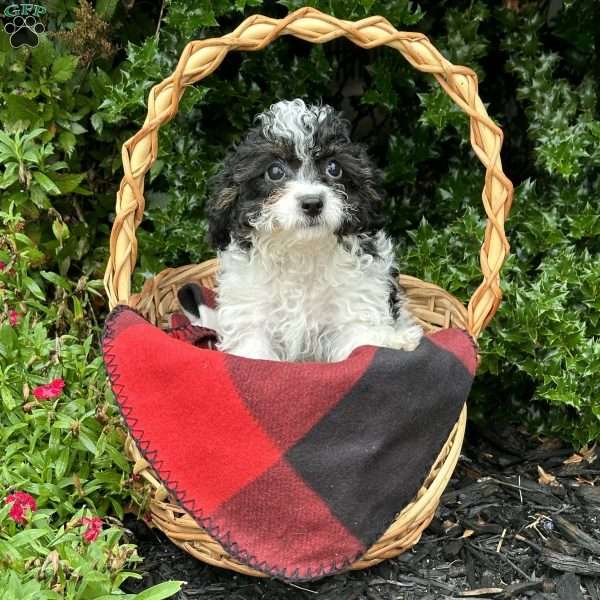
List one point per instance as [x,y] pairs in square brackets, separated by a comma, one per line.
[296,468]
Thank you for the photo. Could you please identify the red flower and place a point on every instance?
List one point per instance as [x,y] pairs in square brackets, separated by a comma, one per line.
[20,502]
[13,317]
[93,528]
[49,390]
[3,268]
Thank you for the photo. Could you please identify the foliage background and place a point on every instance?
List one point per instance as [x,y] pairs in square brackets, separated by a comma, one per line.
[67,106]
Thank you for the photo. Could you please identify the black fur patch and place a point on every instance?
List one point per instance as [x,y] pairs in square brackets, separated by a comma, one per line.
[395,299]
[190,297]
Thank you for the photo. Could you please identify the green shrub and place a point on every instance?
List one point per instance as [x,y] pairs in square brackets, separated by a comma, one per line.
[67,106]
[60,435]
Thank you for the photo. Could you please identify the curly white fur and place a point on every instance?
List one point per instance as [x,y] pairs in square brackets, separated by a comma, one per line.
[307,299]
[295,121]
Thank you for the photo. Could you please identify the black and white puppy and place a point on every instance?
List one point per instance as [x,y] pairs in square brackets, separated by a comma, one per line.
[306,271]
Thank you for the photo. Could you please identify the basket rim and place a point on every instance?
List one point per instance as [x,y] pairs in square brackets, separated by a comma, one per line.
[153,301]
[200,58]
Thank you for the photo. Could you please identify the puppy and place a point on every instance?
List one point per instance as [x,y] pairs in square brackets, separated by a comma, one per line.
[306,271]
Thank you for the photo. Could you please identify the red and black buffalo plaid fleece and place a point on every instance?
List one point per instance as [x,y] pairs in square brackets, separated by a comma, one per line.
[296,468]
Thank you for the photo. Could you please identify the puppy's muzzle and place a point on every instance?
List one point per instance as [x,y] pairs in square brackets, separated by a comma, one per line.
[311,204]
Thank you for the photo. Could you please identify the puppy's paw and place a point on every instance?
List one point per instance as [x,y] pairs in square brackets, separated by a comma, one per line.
[406,339]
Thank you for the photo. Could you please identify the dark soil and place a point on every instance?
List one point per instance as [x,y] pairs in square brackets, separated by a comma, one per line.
[504,529]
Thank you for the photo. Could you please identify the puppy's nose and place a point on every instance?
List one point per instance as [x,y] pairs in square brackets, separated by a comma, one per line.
[312,204]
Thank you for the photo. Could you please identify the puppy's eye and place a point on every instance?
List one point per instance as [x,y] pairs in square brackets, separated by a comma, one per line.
[275,172]
[333,169]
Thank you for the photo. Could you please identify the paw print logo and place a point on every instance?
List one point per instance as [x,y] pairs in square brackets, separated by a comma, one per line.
[24,31]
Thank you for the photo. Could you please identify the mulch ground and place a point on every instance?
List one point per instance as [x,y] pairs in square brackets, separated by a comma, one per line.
[520,519]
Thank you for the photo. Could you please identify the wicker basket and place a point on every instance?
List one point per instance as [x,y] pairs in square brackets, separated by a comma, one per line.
[434,307]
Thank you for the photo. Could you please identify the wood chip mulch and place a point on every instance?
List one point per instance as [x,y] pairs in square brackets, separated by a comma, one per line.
[519,520]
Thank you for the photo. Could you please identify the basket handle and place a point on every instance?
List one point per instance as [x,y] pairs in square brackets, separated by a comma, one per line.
[200,58]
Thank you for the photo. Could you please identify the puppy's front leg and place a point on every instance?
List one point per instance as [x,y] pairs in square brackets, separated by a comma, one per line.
[360,334]
[254,344]
[407,332]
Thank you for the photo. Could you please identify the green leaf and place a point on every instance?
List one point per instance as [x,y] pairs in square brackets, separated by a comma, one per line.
[60,230]
[76,128]
[63,67]
[88,443]
[97,122]
[6,551]
[43,54]
[21,237]
[57,280]
[61,463]
[8,398]
[78,314]
[106,8]
[39,198]
[47,184]
[26,537]
[161,591]
[67,182]
[22,108]
[34,288]
[66,140]
[9,176]
[31,135]
[7,140]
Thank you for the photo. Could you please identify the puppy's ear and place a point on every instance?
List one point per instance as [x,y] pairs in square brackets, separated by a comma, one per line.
[373,197]
[220,206]
[365,190]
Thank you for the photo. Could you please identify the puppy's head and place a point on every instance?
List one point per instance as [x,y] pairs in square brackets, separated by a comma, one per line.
[296,173]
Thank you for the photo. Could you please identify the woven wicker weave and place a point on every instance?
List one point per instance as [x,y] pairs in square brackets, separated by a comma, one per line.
[434,307]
